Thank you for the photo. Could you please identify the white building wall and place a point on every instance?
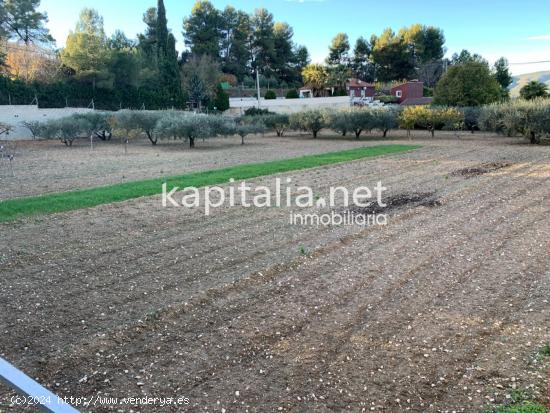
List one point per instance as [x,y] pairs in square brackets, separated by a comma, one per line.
[239,105]
[15,114]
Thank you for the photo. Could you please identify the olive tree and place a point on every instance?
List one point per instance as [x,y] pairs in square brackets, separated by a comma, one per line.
[249,128]
[33,126]
[338,121]
[309,121]
[385,120]
[188,127]
[278,122]
[65,129]
[528,118]
[135,122]
[359,120]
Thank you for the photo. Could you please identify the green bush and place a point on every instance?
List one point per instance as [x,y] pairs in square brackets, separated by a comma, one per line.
[292,94]
[430,118]
[221,102]
[254,111]
[309,121]
[471,118]
[388,99]
[270,95]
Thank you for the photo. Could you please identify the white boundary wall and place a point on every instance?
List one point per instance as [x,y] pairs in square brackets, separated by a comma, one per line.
[239,105]
[15,114]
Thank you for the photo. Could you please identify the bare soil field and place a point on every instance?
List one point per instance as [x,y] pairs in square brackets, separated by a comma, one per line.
[443,309]
[49,166]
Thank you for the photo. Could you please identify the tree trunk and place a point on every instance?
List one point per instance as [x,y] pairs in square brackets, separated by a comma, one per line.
[432,131]
[242,140]
[358,133]
[533,139]
[150,136]
[191,142]
[385,132]
[314,134]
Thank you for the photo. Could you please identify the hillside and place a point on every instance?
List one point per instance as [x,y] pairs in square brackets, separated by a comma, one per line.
[521,80]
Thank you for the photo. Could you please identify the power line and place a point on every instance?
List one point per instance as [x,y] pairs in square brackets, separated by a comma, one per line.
[530,63]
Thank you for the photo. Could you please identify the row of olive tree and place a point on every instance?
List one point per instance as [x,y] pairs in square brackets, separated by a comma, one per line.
[530,119]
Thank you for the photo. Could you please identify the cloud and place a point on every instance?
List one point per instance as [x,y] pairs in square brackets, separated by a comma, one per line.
[541,37]
[305,1]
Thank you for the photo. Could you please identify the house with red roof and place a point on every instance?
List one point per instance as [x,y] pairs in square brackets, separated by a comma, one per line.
[411,93]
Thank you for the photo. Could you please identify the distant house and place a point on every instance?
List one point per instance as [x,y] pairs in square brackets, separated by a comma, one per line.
[357,88]
[411,93]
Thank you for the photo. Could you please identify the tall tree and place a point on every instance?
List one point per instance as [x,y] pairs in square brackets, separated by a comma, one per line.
[235,50]
[467,84]
[86,50]
[284,56]
[23,22]
[361,63]
[263,41]
[167,58]
[162,30]
[466,57]
[202,30]
[503,76]
[123,60]
[339,50]
[316,77]
[201,77]
[147,41]
[391,56]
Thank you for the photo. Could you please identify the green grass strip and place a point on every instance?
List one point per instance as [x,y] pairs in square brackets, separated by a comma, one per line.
[85,198]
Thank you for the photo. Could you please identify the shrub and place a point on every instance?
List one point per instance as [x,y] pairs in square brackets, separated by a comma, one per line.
[430,118]
[471,118]
[292,94]
[310,121]
[221,101]
[277,122]
[388,99]
[254,111]
[270,95]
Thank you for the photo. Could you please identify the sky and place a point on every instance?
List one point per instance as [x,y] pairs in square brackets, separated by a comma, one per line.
[517,30]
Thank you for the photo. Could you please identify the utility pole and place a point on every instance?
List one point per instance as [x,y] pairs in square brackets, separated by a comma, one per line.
[258,84]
